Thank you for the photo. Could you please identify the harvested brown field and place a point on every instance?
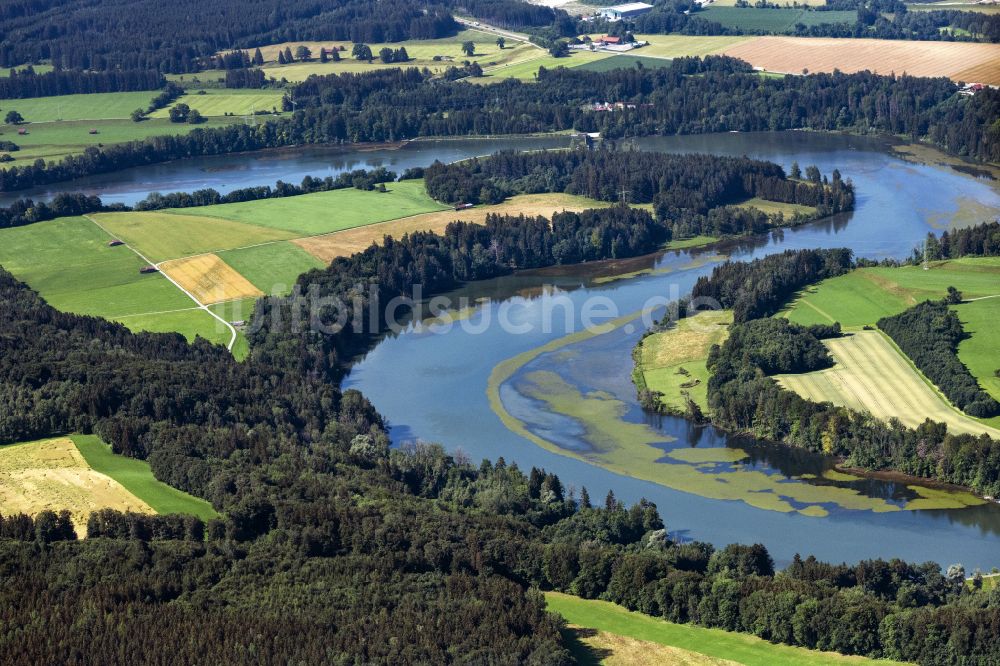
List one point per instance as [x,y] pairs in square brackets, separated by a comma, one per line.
[960,61]
[345,243]
[51,474]
[210,279]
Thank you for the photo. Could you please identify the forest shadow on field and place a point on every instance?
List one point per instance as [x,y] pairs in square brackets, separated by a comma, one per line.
[585,655]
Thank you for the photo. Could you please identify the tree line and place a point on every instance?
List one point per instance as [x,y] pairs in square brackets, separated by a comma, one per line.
[395,104]
[26,83]
[981,240]
[929,333]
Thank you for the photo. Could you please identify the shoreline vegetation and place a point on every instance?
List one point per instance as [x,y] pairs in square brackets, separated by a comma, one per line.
[721,369]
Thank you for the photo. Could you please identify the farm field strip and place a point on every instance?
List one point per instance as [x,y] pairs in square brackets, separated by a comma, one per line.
[202,306]
[53,475]
[870,374]
[960,61]
[209,279]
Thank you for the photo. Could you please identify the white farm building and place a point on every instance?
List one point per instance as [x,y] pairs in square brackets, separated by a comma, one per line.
[629,10]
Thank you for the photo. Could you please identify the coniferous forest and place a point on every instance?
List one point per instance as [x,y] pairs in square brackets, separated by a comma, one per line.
[692,96]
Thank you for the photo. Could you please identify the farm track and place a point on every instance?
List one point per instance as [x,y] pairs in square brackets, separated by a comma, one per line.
[201,306]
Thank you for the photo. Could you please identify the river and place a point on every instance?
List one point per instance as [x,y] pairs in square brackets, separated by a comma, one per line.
[434,386]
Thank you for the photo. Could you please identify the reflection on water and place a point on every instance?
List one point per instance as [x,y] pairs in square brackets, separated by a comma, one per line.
[434,387]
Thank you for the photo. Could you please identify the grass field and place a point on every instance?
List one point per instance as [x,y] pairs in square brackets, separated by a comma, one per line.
[323,212]
[53,475]
[676,46]
[272,268]
[623,62]
[526,70]
[773,20]
[959,6]
[871,374]
[421,53]
[70,264]
[960,61]
[162,235]
[55,140]
[94,106]
[219,102]
[865,295]
[774,207]
[344,243]
[210,279]
[673,361]
[137,478]
[39,69]
[713,644]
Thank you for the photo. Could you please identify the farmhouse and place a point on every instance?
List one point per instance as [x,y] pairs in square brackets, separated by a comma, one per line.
[628,10]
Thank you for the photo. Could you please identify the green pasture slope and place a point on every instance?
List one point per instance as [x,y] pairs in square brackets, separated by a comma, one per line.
[136,476]
[741,648]
[326,212]
[865,295]
[69,263]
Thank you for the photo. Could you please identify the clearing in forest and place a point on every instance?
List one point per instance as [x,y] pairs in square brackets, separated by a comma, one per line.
[960,61]
[53,475]
[690,644]
[673,361]
[210,279]
[871,374]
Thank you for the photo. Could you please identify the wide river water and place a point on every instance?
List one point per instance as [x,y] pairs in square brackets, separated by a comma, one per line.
[574,395]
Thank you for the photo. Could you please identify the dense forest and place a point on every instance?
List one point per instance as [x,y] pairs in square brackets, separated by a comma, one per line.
[396,541]
[929,333]
[691,96]
[874,20]
[129,34]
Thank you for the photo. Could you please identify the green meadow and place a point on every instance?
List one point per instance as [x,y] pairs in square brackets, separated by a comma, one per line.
[272,268]
[225,101]
[527,70]
[136,476]
[739,648]
[324,212]
[93,106]
[623,62]
[69,263]
[775,207]
[161,235]
[55,140]
[865,295]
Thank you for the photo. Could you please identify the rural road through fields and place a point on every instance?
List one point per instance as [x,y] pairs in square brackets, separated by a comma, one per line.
[232,339]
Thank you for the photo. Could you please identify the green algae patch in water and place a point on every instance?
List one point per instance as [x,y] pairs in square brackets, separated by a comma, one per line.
[942,498]
[636,450]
